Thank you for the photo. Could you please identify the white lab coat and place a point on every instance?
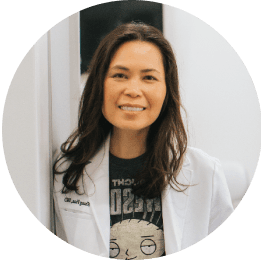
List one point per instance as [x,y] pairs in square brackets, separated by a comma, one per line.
[84,220]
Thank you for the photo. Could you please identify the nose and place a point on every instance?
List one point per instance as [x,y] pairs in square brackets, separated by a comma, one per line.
[133,89]
[126,253]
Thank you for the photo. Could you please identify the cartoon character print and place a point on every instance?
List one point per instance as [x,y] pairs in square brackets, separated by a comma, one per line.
[136,239]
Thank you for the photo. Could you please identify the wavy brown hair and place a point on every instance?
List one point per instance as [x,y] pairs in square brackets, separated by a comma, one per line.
[167,138]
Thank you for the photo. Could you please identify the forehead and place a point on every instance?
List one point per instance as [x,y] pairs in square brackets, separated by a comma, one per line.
[138,53]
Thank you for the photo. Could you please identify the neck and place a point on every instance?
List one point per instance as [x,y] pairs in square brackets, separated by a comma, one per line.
[128,144]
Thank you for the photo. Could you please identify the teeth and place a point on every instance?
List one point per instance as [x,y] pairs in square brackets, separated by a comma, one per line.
[132,108]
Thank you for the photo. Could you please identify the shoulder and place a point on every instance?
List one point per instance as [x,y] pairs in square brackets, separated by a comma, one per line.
[200,160]
[196,153]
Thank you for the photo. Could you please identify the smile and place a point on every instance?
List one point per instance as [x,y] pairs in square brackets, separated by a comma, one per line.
[132,108]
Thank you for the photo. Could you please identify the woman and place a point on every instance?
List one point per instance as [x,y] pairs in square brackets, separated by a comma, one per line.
[126,184]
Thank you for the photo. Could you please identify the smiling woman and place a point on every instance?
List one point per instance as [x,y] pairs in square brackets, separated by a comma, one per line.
[134,92]
[142,192]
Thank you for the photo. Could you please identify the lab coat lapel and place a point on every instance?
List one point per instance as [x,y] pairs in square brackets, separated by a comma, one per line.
[97,187]
[174,205]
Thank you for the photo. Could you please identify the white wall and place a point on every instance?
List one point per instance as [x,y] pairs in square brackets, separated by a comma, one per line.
[218,94]
[26,131]
[40,113]
[65,77]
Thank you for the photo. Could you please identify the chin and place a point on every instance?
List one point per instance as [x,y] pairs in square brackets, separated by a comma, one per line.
[132,127]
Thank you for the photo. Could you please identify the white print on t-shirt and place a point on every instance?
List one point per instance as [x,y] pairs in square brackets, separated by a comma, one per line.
[123,201]
[122,182]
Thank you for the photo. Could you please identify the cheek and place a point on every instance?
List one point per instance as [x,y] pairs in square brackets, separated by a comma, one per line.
[157,100]
[110,94]
[106,98]
[159,93]
[109,103]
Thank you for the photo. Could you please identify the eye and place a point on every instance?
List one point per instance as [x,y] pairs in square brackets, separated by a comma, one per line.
[119,76]
[150,78]
[148,247]
[114,250]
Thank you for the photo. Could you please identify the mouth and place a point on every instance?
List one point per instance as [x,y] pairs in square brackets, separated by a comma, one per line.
[132,109]
[130,258]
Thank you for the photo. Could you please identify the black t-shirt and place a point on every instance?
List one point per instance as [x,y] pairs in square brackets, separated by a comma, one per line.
[136,225]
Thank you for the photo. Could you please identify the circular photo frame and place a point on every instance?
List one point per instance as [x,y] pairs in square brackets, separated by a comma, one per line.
[221,117]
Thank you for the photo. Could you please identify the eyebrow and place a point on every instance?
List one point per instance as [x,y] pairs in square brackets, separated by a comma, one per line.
[113,239]
[126,69]
[147,236]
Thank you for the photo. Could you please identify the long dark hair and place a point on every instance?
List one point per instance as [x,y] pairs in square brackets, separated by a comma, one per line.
[167,138]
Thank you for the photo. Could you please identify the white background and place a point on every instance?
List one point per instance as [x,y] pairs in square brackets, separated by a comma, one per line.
[212,76]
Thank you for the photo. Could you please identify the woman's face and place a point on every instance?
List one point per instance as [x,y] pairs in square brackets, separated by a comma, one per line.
[134,86]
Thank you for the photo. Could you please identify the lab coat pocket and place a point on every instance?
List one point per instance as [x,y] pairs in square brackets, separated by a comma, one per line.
[69,213]
[81,229]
